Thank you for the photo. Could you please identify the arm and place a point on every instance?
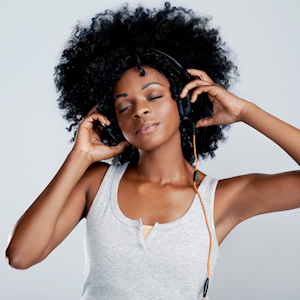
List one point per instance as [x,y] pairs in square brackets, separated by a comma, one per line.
[256,194]
[240,198]
[34,231]
[283,134]
[62,204]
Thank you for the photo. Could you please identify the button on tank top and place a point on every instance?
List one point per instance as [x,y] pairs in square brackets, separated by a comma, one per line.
[169,263]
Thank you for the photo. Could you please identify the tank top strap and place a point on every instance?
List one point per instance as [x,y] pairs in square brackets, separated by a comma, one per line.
[207,191]
[103,196]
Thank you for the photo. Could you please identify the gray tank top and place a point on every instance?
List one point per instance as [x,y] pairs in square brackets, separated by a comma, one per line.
[170,263]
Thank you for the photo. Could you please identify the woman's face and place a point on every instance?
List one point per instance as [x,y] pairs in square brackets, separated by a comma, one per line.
[146,112]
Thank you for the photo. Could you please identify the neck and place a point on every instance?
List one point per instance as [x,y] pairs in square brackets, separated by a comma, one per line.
[165,164]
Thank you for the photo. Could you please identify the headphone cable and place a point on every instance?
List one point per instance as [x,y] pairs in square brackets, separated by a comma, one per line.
[205,288]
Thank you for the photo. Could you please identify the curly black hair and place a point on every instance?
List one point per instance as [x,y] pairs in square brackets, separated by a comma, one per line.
[98,54]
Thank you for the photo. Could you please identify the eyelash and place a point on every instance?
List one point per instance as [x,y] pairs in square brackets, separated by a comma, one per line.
[153,98]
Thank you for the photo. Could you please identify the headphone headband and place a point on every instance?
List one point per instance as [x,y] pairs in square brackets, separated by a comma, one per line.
[184,104]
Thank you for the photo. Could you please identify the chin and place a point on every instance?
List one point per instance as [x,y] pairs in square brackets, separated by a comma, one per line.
[148,145]
[154,141]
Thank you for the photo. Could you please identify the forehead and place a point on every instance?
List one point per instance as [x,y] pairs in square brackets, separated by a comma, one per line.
[132,78]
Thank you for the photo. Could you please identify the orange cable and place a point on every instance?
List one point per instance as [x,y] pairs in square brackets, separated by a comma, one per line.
[195,187]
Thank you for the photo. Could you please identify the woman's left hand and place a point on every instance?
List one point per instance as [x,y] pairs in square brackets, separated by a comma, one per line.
[227,108]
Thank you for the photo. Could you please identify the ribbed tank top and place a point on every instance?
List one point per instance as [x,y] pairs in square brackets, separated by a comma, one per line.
[170,263]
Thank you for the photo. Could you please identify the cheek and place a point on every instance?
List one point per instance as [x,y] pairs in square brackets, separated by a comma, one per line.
[123,124]
[171,113]
[126,127]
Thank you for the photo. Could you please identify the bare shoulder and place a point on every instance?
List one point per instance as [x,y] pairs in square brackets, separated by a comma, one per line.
[242,197]
[225,215]
[235,201]
[92,179]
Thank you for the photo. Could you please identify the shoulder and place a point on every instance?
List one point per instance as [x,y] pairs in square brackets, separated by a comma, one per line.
[95,170]
[229,191]
[242,197]
[229,188]
[245,196]
[228,194]
[92,180]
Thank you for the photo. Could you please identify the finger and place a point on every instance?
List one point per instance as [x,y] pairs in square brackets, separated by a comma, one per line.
[89,121]
[115,150]
[205,122]
[191,85]
[211,89]
[94,109]
[200,74]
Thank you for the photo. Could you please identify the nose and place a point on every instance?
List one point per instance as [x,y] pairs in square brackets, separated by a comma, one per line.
[141,108]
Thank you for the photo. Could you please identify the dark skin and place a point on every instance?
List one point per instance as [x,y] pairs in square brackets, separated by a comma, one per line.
[160,192]
[160,187]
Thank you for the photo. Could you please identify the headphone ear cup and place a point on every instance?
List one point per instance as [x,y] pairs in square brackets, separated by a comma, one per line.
[180,101]
[180,106]
[187,105]
[184,105]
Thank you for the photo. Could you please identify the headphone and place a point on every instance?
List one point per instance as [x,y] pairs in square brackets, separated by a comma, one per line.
[184,104]
[185,111]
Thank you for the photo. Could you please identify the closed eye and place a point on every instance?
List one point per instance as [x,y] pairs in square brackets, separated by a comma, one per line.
[120,111]
[153,98]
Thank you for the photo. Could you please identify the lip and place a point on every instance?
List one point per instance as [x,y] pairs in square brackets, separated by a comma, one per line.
[146,128]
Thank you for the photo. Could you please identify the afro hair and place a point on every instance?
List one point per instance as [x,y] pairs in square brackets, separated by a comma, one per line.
[97,55]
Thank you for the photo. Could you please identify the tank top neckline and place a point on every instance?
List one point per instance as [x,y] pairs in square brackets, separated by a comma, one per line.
[136,223]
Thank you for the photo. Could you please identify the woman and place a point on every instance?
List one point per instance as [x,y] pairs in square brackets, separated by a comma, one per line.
[116,66]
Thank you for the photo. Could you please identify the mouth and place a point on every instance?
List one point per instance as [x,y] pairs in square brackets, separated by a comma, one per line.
[147,128]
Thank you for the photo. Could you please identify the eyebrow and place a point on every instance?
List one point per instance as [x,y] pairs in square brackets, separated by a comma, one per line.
[142,87]
[147,84]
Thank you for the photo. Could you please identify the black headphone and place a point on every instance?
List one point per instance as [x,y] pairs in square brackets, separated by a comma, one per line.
[184,104]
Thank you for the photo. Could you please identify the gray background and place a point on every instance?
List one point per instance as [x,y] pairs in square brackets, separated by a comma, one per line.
[260,258]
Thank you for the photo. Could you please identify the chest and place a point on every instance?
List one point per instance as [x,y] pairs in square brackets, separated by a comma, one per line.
[153,203]
[116,247]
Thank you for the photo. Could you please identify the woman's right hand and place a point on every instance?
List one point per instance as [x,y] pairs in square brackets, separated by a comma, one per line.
[88,140]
